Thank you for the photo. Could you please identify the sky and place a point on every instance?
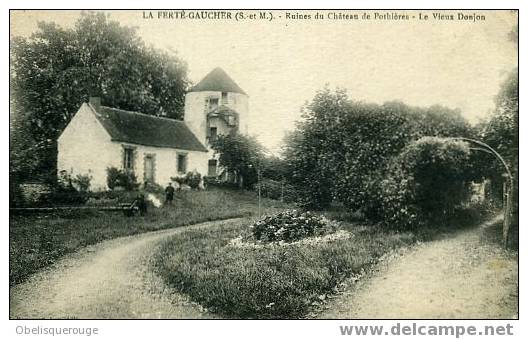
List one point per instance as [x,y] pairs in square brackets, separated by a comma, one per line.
[283,62]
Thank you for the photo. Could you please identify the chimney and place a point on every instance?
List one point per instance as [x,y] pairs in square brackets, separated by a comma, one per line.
[95,102]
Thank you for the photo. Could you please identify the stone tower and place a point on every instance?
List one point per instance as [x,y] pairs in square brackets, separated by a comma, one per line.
[216,106]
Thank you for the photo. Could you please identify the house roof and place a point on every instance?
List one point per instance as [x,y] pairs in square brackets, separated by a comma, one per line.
[218,81]
[147,130]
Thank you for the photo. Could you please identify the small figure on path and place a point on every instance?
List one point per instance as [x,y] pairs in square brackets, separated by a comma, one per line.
[169,194]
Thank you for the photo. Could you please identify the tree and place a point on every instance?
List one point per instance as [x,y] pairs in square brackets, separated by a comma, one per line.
[274,168]
[55,70]
[502,130]
[241,155]
[304,169]
[342,147]
[425,182]
[502,133]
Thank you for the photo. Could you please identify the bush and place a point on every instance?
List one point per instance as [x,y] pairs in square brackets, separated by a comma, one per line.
[152,187]
[277,190]
[290,225]
[193,179]
[119,178]
[83,182]
[68,197]
[425,183]
[239,155]
[179,180]
[340,147]
[16,198]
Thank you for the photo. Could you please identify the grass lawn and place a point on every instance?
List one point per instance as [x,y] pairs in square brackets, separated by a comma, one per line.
[37,241]
[271,282]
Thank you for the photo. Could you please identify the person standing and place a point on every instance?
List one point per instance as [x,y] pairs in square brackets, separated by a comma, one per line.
[169,194]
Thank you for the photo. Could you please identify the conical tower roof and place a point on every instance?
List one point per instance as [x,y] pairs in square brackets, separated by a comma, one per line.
[218,81]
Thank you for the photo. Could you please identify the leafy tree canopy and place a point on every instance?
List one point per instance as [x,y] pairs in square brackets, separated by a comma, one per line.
[55,70]
[241,155]
[425,182]
[342,147]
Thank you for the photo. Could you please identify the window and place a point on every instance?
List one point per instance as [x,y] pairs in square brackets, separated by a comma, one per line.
[128,159]
[150,168]
[213,103]
[212,168]
[224,98]
[213,132]
[182,163]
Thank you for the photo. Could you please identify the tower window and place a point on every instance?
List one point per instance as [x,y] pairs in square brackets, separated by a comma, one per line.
[224,98]
[213,103]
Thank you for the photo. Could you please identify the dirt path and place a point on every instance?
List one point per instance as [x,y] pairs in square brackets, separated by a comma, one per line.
[107,280]
[456,277]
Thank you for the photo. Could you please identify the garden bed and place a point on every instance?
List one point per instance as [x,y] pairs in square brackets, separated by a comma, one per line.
[268,281]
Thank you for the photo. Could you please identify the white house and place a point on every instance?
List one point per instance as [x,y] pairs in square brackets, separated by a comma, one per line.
[154,148]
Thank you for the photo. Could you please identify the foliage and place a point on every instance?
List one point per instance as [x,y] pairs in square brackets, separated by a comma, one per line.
[501,132]
[305,171]
[425,183]
[341,149]
[277,190]
[180,180]
[112,175]
[68,231]
[82,182]
[16,198]
[152,187]
[279,282]
[55,70]
[241,155]
[67,196]
[193,179]
[289,226]
[274,168]
[119,178]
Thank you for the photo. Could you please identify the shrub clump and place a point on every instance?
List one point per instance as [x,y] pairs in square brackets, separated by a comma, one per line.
[425,184]
[191,179]
[119,178]
[290,225]
[277,190]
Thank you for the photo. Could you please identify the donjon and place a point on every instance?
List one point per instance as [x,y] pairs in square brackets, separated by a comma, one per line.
[216,106]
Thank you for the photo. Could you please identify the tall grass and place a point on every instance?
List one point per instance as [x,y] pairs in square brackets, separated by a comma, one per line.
[37,241]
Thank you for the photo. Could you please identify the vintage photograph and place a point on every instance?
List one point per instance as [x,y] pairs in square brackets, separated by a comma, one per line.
[264,164]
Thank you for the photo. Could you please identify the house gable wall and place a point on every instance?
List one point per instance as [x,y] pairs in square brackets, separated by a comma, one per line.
[85,147]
